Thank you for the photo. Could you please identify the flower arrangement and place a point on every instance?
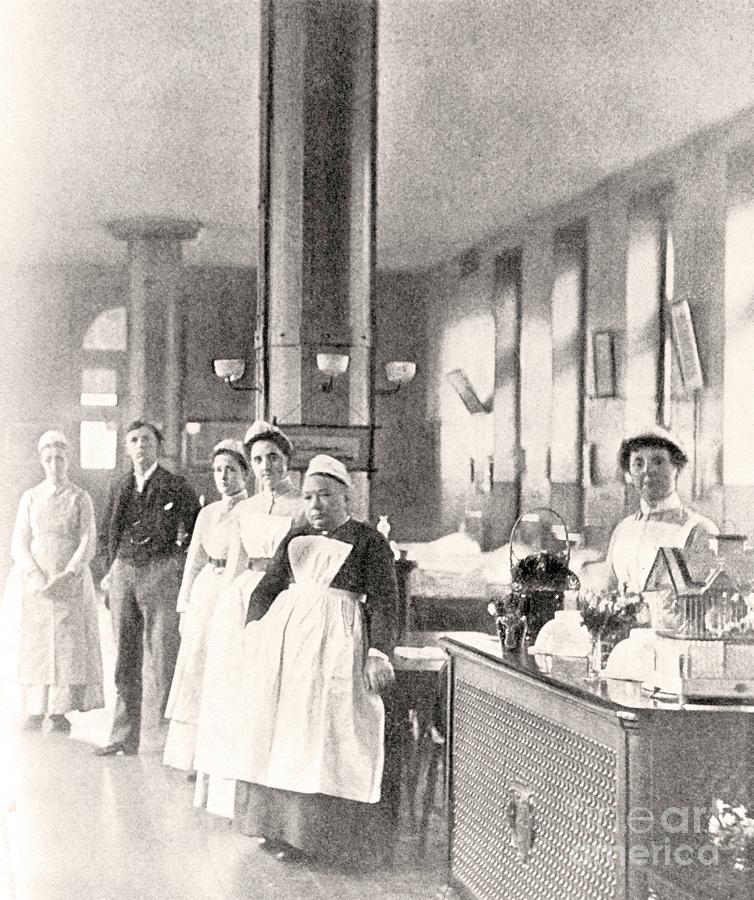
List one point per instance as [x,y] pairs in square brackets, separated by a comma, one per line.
[743,627]
[731,829]
[544,569]
[609,613]
[539,582]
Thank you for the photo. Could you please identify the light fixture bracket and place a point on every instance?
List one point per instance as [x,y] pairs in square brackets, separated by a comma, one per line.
[398,373]
[231,371]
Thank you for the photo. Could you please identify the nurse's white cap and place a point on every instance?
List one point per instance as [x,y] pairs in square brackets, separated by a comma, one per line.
[234,448]
[52,439]
[264,431]
[652,435]
[322,464]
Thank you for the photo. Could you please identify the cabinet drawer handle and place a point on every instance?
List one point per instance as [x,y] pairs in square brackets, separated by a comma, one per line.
[519,814]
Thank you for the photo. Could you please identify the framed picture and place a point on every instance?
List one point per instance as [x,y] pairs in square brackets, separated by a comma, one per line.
[684,341]
[603,360]
[351,444]
[465,390]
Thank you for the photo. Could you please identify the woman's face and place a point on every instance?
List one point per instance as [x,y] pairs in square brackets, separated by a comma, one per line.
[268,463]
[55,464]
[230,475]
[653,472]
[326,502]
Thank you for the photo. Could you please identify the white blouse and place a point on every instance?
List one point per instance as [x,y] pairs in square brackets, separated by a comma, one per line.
[209,541]
[637,538]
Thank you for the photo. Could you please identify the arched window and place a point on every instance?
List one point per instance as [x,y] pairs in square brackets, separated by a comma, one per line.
[103,359]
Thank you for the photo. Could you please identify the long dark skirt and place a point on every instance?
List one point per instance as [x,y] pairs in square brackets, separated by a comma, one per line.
[328,828]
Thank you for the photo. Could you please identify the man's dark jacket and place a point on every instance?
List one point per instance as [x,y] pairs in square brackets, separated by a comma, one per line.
[172,510]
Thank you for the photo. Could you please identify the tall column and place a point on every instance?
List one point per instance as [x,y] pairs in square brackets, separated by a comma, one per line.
[317,208]
[155,337]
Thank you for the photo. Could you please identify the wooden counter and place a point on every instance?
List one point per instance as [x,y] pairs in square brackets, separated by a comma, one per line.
[558,790]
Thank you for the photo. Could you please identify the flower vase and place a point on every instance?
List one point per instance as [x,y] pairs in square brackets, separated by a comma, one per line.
[595,658]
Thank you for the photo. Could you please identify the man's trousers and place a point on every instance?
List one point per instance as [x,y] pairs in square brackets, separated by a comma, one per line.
[145,627]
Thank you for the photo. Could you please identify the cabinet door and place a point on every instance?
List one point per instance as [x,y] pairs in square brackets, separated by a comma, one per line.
[538,791]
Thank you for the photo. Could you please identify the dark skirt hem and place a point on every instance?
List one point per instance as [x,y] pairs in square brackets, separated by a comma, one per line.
[329,828]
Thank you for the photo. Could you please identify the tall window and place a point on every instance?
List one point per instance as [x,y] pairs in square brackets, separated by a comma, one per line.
[567,411]
[103,359]
[649,284]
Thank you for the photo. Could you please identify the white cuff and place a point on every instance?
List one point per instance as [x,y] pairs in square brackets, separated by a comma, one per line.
[373,651]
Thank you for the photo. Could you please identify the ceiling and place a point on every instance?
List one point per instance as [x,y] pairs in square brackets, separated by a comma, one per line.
[488,110]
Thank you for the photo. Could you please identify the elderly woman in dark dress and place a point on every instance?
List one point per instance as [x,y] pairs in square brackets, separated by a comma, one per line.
[321,623]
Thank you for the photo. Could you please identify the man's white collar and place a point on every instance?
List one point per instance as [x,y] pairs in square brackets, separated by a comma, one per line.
[141,480]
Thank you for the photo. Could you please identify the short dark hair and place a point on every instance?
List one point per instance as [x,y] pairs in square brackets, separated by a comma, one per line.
[144,423]
[275,437]
[641,441]
[239,457]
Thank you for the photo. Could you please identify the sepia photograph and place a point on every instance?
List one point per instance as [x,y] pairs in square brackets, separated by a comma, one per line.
[377,496]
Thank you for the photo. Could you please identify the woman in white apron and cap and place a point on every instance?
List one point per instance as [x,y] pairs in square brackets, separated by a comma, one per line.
[202,580]
[54,539]
[259,523]
[652,461]
[321,627]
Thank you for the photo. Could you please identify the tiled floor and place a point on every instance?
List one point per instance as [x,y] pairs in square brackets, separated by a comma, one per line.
[78,826]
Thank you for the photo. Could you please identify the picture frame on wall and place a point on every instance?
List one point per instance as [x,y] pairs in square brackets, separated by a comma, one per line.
[466,393]
[603,362]
[687,352]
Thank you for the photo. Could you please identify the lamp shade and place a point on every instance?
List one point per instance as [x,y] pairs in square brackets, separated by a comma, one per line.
[400,372]
[229,369]
[332,364]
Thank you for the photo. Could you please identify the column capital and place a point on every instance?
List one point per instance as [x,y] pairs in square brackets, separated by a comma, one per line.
[165,228]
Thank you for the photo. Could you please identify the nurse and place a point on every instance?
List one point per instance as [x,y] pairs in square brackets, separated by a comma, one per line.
[201,583]
[321,627]
[259,524]
[652,461]
[54,539]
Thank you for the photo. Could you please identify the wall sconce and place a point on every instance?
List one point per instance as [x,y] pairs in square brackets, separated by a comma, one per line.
[231,371]
[333,365]
[398,373]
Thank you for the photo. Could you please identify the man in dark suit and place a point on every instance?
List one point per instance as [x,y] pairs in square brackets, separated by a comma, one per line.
[148,519]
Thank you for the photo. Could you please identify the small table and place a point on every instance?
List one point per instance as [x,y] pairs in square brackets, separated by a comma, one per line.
[417,718]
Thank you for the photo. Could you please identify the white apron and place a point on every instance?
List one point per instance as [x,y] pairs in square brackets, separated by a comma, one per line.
[315,727]
[637,542]
[185,691]
[202,582]
[59,637]
[221,712]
